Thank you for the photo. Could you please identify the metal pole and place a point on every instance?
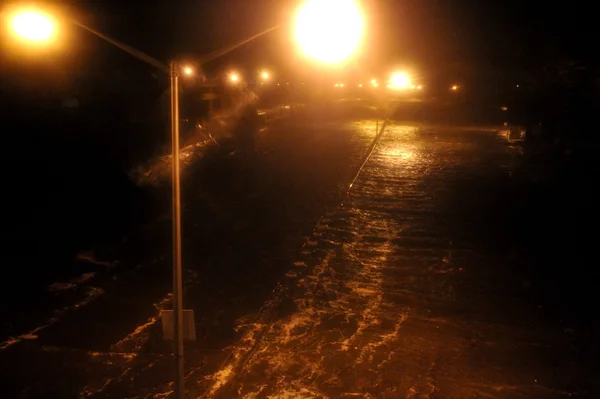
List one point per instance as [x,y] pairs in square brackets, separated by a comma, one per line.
[126,48]
[177,269]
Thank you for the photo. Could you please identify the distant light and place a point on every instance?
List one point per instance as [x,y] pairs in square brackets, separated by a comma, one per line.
[234,77]
[265,75]
[373,81]
[188,71]
[419,87]
[360,85]
[400,80]
[341,85]
[455,87]
[517,85]
[504,108]
[413,87]
[33,26]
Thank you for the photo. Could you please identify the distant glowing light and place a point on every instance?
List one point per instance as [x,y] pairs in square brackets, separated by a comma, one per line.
[265,75]
[188,71]
[455,87]
[33,26]
[360,85]
[329,31]
[373,81]
[419,87]
[234,77]
[400,80]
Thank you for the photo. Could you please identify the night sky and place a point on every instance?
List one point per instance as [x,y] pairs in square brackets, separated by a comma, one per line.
[426,35]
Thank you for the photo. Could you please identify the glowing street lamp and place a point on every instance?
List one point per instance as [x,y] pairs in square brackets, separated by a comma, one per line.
[265,75]
[33,26]
[455,87]
[189,71]
[329,31]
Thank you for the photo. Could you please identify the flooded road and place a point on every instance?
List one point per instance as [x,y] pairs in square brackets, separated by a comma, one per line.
[392,300]
[410,289]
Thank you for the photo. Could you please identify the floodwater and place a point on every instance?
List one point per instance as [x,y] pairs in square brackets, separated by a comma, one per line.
[389,302]
[408,289]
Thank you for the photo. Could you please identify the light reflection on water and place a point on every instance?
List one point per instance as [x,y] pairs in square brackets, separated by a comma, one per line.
[345,322]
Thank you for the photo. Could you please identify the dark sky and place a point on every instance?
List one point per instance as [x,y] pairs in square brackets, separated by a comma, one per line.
[427,34]
[412,29]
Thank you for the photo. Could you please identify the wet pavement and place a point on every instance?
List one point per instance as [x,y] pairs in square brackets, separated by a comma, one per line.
[391,299]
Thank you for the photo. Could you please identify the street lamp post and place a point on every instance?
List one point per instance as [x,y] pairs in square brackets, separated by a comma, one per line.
[34,26]
[173,71]
[176,204]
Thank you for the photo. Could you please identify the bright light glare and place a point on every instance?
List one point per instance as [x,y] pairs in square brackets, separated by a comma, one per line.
[188,70]
[234,77]
[265,75]
[455,87]
[400,80]
[33,26]
[329,30]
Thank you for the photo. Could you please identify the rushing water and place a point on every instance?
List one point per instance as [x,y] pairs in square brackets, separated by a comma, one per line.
[375,308]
